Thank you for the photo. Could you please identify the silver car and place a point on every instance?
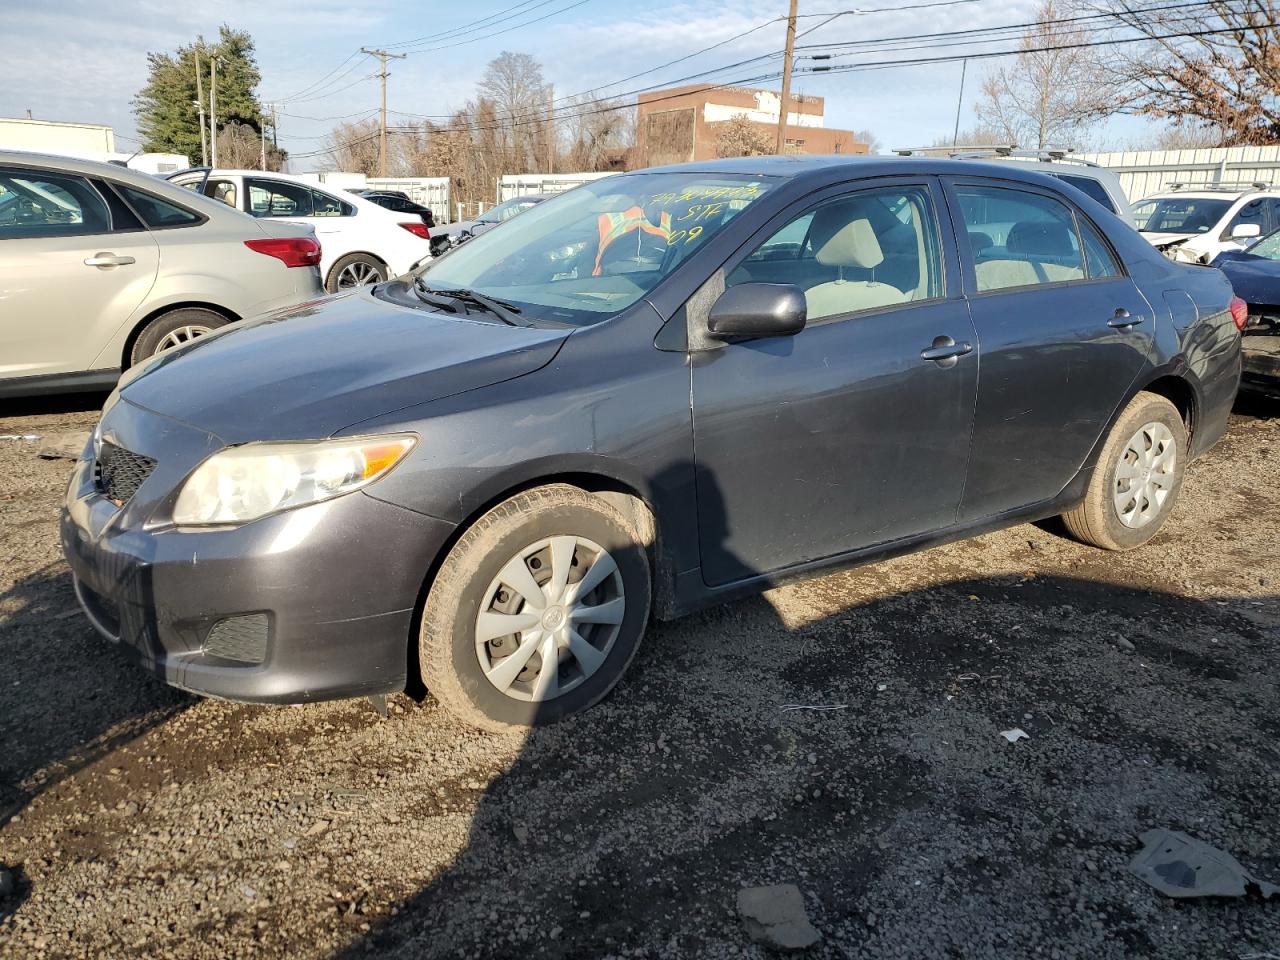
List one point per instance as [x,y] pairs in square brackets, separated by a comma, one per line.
[101,266]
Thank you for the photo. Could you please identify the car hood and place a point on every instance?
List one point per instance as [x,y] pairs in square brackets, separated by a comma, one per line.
[1164,239]
[308,371]
[1255,280]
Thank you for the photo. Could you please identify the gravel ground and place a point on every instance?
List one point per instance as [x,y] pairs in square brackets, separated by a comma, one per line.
[143,822]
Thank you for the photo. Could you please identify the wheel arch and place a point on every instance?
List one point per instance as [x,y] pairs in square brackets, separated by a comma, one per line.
[1179,391]
[158,312]
[624,496]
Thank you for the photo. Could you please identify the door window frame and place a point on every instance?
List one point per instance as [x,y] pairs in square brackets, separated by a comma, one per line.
[943,238]
[968,264]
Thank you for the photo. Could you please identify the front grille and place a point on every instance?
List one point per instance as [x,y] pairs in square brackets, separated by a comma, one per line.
[120,472]
[239,638]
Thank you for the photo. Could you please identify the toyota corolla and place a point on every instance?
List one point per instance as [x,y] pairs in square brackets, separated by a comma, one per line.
[657,391]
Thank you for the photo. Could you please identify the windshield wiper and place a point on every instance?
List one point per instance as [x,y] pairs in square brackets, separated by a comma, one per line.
[504,311]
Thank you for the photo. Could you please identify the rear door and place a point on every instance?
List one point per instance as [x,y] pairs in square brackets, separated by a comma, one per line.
[1063,330]
[75,264]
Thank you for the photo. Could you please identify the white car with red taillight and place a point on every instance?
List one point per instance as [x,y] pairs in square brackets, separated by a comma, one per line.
[361,242]
[101,266]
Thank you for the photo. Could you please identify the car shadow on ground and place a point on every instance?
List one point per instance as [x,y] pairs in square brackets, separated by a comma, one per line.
[849,740]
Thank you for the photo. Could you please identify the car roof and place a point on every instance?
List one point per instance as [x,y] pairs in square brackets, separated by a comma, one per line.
[818,169]
[96,168]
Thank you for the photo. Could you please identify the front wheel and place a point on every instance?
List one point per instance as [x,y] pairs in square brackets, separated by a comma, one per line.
[1137,479]
[536,611]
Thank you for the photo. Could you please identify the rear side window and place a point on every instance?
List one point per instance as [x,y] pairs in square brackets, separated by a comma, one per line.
[1089,187]
[276,198]
[327,206]
[1019,239]
[1099,260]
[36,203]
[156,212]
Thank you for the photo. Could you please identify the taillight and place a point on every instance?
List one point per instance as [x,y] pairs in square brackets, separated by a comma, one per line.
[419,230]
[291,251]
[1239,313]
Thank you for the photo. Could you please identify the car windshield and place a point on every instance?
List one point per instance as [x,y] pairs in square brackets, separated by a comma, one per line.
[1189,215]
[589,253]
[506,210]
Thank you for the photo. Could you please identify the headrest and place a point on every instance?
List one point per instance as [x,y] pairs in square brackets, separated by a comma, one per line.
[842,237]
[980,242]
[1040,238]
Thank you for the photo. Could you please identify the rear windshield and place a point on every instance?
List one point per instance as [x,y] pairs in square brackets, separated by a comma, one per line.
[591,252]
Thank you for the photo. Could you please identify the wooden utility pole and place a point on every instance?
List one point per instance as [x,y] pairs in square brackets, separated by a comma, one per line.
[383,57]
[786,79]
[204,142]
[262,132]
[213,109]
[551,129]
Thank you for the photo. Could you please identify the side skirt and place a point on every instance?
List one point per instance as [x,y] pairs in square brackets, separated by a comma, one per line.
[88,381]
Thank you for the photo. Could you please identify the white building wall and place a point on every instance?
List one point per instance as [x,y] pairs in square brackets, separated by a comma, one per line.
[1145,172]
[65,139]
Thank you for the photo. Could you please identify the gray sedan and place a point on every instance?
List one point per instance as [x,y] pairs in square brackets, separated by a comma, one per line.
[657,391]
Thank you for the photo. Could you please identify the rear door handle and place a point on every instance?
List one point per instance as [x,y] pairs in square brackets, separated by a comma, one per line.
[108,260]
[945,349]
[1123,320]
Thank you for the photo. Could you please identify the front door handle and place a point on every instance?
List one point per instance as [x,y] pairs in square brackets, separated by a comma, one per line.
[1123,320]
[108,260]
[945,352]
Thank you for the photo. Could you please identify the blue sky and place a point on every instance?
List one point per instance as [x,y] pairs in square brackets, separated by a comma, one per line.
[98,59]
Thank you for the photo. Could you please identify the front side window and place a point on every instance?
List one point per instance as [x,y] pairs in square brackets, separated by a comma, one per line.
[39,204]
[593,251]
[156,212]
[1181,215]
[224,191]
[276,198]
[1252,212]
[1019,239]
[861,251]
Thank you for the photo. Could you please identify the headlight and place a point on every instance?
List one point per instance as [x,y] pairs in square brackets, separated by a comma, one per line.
[244,483]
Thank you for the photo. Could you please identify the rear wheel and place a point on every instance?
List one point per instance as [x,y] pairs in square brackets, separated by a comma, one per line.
[536,611]
[356,270]
[173,329]
[1137,479]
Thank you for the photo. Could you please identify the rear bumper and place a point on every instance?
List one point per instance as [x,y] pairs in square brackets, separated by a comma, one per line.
[330,589]
[1261,364]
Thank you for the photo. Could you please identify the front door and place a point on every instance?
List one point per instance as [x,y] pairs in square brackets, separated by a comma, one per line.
[1064,334]
[842,436]
[74,266]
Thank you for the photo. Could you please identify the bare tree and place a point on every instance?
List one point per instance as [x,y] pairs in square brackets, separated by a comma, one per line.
[520,99]
[974,136]
[1226,80]
[354,147]
[1046,96]
[870,139]
[740,136]
[239,146]
[597,132]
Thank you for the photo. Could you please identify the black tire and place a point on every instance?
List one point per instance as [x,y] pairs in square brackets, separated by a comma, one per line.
[1096,519]
[153,335]
[448,654]
[359,262]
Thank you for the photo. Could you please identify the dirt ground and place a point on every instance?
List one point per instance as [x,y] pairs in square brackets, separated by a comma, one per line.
[141,822]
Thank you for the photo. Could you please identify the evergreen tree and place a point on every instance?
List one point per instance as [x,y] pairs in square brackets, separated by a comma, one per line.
[168,118]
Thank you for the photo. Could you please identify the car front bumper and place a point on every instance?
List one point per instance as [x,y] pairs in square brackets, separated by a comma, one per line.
[315,603]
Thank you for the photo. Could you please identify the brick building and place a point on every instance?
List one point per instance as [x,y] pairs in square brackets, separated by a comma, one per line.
[681,123]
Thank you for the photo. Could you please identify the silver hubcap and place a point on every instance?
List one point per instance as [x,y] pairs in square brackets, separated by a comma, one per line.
[183,335]
[549,618]
[358,274]
[1145,474]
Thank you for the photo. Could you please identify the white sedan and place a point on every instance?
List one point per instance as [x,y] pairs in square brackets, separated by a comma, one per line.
[360,241]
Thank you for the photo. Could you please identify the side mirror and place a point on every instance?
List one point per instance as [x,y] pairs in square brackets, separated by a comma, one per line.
[758,310]
[1245,231]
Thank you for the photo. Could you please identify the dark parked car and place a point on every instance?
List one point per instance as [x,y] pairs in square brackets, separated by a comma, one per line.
[660,390]
[1254,273]
[399,202]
